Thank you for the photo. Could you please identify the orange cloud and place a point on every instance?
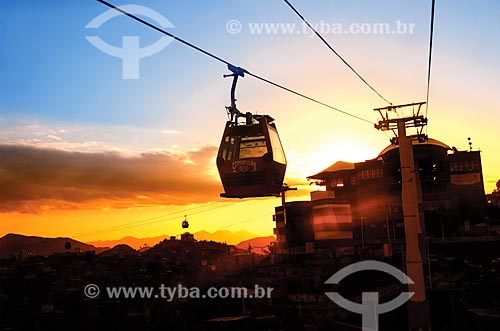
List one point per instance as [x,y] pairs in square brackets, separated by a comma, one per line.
[36,179]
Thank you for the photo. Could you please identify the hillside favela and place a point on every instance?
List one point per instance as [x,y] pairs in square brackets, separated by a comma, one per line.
[222,165]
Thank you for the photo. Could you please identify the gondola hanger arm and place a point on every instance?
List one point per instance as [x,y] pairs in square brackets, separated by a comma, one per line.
[233,112]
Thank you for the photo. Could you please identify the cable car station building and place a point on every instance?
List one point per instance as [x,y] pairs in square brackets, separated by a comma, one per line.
[361,206]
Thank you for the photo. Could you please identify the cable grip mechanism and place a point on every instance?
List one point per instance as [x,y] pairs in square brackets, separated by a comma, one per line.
[232,111]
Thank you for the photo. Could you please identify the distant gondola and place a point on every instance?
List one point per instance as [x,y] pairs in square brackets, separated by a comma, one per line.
[185,223]
[251,161]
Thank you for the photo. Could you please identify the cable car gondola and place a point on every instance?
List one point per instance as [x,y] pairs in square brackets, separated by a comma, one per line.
[185,223]
[251,161]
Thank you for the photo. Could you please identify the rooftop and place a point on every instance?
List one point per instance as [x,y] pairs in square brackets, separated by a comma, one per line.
[337,166]
[429,142]
[343,166]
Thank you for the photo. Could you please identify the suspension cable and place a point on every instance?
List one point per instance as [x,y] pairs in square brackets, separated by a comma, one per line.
[334,51]
[230,65]
[152,220]
[431,37]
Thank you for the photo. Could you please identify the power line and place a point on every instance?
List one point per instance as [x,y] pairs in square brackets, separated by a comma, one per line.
[334,51]
[230,65]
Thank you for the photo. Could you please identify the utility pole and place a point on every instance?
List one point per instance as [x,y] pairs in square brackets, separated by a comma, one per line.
[418,307]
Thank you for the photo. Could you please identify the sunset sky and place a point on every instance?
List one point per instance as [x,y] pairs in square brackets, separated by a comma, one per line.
[87,154]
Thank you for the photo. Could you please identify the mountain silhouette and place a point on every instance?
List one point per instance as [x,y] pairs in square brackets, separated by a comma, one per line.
[120,250]
[259,244]
[135,243]
[229,237]
[20,245]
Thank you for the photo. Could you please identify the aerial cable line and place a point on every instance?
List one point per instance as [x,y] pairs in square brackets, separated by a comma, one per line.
[161,217]
[431,37]
[230,66]
[334,51]
[309,98]
[154,222]
[237,223]
[241,222]
[140,221]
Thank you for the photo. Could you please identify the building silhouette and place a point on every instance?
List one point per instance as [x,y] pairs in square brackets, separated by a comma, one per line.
[361,206]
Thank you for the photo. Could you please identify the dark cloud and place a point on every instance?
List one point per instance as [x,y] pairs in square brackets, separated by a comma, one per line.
[33,179]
